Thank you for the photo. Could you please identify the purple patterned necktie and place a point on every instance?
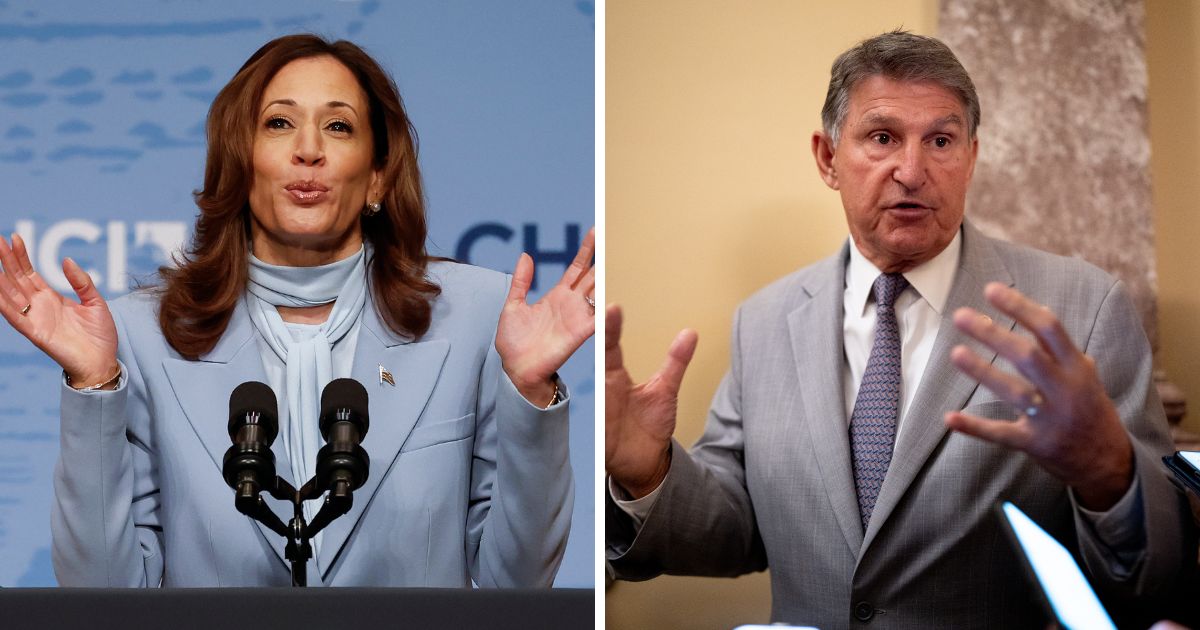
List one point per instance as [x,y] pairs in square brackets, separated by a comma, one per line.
[873,423]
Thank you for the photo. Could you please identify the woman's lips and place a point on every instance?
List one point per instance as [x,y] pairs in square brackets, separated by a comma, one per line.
[307,193]
[307,197]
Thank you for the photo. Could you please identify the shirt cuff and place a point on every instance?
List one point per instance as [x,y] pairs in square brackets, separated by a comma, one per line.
[637,509]
[1121,529]
[86,392]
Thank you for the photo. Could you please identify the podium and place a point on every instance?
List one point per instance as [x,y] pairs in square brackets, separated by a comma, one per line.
[295,608]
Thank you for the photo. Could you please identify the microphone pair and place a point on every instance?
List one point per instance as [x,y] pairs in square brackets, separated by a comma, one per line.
[342,464]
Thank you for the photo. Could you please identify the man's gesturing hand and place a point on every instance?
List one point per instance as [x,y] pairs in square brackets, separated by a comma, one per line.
[639,419]
[1068,423]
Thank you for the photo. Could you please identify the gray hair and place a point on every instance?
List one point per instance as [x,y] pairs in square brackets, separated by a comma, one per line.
[902,56]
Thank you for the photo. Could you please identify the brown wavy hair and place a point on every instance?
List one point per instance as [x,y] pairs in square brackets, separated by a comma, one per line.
[200,292]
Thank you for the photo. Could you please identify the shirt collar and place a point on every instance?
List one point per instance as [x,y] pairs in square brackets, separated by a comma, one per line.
[932,279]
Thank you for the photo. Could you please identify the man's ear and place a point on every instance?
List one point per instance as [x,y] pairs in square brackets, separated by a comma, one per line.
[822,148]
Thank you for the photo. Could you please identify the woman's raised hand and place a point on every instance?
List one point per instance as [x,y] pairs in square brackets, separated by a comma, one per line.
[79,336]
[535,340]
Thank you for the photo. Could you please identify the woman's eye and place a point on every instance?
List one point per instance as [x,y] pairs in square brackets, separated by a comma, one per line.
[340,126]
[883,138]
[278,122]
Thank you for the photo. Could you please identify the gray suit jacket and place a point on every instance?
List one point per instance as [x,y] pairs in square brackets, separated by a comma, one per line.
[770,482]
[468,481]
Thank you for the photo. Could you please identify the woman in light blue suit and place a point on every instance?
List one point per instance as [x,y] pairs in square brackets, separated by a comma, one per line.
[308,264]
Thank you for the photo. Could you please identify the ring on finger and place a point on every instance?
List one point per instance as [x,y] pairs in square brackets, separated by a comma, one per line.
[26,309]
[1036,400]
[591,301]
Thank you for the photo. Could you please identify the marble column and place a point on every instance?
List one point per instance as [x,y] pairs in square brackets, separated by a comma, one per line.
[1064,157]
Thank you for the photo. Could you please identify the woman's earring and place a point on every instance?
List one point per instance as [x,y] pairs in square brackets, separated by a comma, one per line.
[372,209]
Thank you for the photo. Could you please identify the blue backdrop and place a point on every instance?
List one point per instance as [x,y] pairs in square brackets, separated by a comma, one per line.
[102,143]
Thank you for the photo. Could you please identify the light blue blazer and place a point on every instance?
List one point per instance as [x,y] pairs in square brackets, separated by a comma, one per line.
[468,481]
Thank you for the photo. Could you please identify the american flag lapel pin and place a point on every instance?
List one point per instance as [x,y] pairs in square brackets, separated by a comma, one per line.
[386,377]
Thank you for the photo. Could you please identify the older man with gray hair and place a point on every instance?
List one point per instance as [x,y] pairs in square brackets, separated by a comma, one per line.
[881,402]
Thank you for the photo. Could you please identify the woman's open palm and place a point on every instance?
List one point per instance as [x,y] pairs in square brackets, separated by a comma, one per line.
[534,340]
[80,336]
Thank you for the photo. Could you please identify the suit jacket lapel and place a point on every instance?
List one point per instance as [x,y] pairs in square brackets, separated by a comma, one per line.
[815,328]
[394,411]
[234,360]
[943,387]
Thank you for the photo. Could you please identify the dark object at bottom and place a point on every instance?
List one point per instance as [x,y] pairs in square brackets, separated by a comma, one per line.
[266,608]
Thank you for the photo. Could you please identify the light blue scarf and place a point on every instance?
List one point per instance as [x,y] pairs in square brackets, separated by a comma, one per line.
[309,363]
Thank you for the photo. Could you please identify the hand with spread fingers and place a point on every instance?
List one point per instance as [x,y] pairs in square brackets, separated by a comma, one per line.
[79,336]
[1067,422]
[639,419]
[535,340]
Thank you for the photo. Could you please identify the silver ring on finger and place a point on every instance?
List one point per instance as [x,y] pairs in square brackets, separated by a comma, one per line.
[26,309]
[1036,400]
[591,301]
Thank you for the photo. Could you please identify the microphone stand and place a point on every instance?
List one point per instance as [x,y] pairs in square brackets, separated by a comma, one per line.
[298,532]
[342,464]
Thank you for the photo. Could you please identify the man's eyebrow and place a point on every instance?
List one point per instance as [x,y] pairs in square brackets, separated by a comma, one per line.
[331,104]
[879,120]
[883,120]
[950,120]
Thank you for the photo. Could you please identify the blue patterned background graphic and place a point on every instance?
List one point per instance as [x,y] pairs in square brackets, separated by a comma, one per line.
[102,108]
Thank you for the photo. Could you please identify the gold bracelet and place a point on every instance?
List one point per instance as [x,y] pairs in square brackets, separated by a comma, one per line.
[554,398]
[98,386]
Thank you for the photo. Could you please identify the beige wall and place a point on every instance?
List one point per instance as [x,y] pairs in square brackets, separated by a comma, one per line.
[1173,62]
[711,193]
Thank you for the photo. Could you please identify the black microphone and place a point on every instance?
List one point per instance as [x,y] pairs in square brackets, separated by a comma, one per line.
[249,465]
[342,464]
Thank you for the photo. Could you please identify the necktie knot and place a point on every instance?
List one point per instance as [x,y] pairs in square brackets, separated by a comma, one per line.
[887,286]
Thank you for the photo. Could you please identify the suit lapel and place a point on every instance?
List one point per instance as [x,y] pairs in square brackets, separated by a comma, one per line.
[943,387]
[394,411]
[234,360]
[815,328]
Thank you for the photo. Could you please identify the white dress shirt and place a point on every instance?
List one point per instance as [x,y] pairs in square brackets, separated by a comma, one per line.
[918,315]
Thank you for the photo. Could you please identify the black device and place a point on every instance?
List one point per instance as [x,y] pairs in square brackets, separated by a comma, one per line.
[342,464]
[1185,465]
